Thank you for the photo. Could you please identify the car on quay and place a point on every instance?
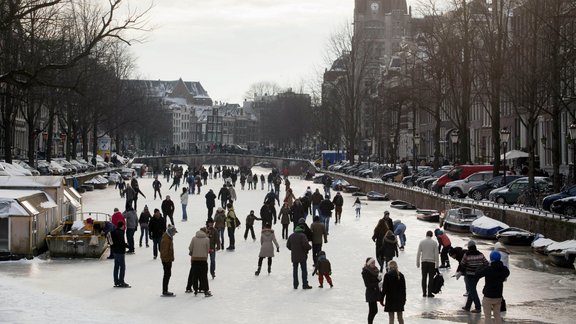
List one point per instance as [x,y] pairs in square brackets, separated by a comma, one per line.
[460,188]
[459,172]
[427,182]
[422,172]
[565,206]
[550,199]
[509,194]
[481,191]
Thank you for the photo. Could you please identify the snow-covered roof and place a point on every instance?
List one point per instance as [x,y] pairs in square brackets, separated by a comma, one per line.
[10,207]
[31,182]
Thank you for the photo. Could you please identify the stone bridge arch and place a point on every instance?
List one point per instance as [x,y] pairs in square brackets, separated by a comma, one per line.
[295,166]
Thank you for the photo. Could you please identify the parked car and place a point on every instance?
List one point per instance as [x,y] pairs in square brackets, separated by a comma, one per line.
[565,206]
[481,191]
[411,179]
[67,165]
[435,175]
[25,165]
[459,172]
[548,200]
[389,176]
[460,188]
[509,194]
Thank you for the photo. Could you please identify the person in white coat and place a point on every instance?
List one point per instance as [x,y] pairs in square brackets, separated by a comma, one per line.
[427,257]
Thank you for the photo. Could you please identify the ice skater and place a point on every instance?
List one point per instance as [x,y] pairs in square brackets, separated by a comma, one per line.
[267,243]
[323,269]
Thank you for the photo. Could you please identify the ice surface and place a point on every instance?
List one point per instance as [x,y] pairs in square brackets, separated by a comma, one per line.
[80,291]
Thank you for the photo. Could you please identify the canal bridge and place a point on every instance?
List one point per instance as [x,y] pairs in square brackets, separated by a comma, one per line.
[295,166]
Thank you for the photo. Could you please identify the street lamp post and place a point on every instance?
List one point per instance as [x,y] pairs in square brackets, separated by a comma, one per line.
[572,130]
[392,152]
[504,138]
[454,139]
[416,144]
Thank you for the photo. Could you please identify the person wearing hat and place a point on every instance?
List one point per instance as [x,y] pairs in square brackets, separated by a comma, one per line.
[298,245]
[131,227]
[371,277]
[388,220]
[472,261]
[167,257]
[143,221]
[427,259]
[232,222]
[495,274]
[445,245]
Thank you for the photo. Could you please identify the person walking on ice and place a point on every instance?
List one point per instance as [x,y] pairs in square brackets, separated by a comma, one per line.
[394,293]
[357,207]
[267,238]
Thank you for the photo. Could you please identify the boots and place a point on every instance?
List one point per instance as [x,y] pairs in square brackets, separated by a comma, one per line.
[269,269]
[258,271]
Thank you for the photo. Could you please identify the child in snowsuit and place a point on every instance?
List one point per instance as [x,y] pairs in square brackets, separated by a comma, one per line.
[323,269]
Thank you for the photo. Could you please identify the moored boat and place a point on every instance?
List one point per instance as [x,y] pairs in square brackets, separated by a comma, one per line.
[428,215]
[540,244]
[400,204]
[562,258]
[515,236]
[374,195]
[486,227]
[459,219]
[78,239]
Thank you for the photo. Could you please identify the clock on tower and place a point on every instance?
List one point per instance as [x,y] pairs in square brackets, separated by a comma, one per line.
[374,6]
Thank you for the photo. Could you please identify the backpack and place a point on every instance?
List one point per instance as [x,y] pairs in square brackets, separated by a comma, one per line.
[437,283]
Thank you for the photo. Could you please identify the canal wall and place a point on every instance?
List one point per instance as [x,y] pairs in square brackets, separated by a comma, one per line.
[550,225]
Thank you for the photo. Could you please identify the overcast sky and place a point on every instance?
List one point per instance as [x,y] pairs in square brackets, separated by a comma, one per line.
[228,45]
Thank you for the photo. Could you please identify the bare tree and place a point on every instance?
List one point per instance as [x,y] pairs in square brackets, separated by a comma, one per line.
[82,24]
[262,88]
[352,49]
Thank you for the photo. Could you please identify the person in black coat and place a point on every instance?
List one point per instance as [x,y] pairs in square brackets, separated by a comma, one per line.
[210,202]
[168,210]
[119,251]
[325,210]
[156,227]
[136,187]
[370,275]
[495,274]
[389,249]
[224,195]
[394,292]
[267,215]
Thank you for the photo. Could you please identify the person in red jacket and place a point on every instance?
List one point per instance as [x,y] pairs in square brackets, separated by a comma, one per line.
[117,216]
[444,246]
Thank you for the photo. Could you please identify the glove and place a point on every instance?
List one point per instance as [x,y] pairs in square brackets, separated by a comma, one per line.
[325,241]
[278,250]
[457,275]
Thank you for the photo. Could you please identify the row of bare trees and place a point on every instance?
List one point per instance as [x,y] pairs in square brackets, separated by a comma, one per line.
[489,54]
[64,65]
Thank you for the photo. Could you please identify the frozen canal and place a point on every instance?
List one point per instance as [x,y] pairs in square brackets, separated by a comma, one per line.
[80,291]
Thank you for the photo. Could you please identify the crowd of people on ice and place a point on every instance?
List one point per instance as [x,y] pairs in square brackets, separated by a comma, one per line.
[384,282]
